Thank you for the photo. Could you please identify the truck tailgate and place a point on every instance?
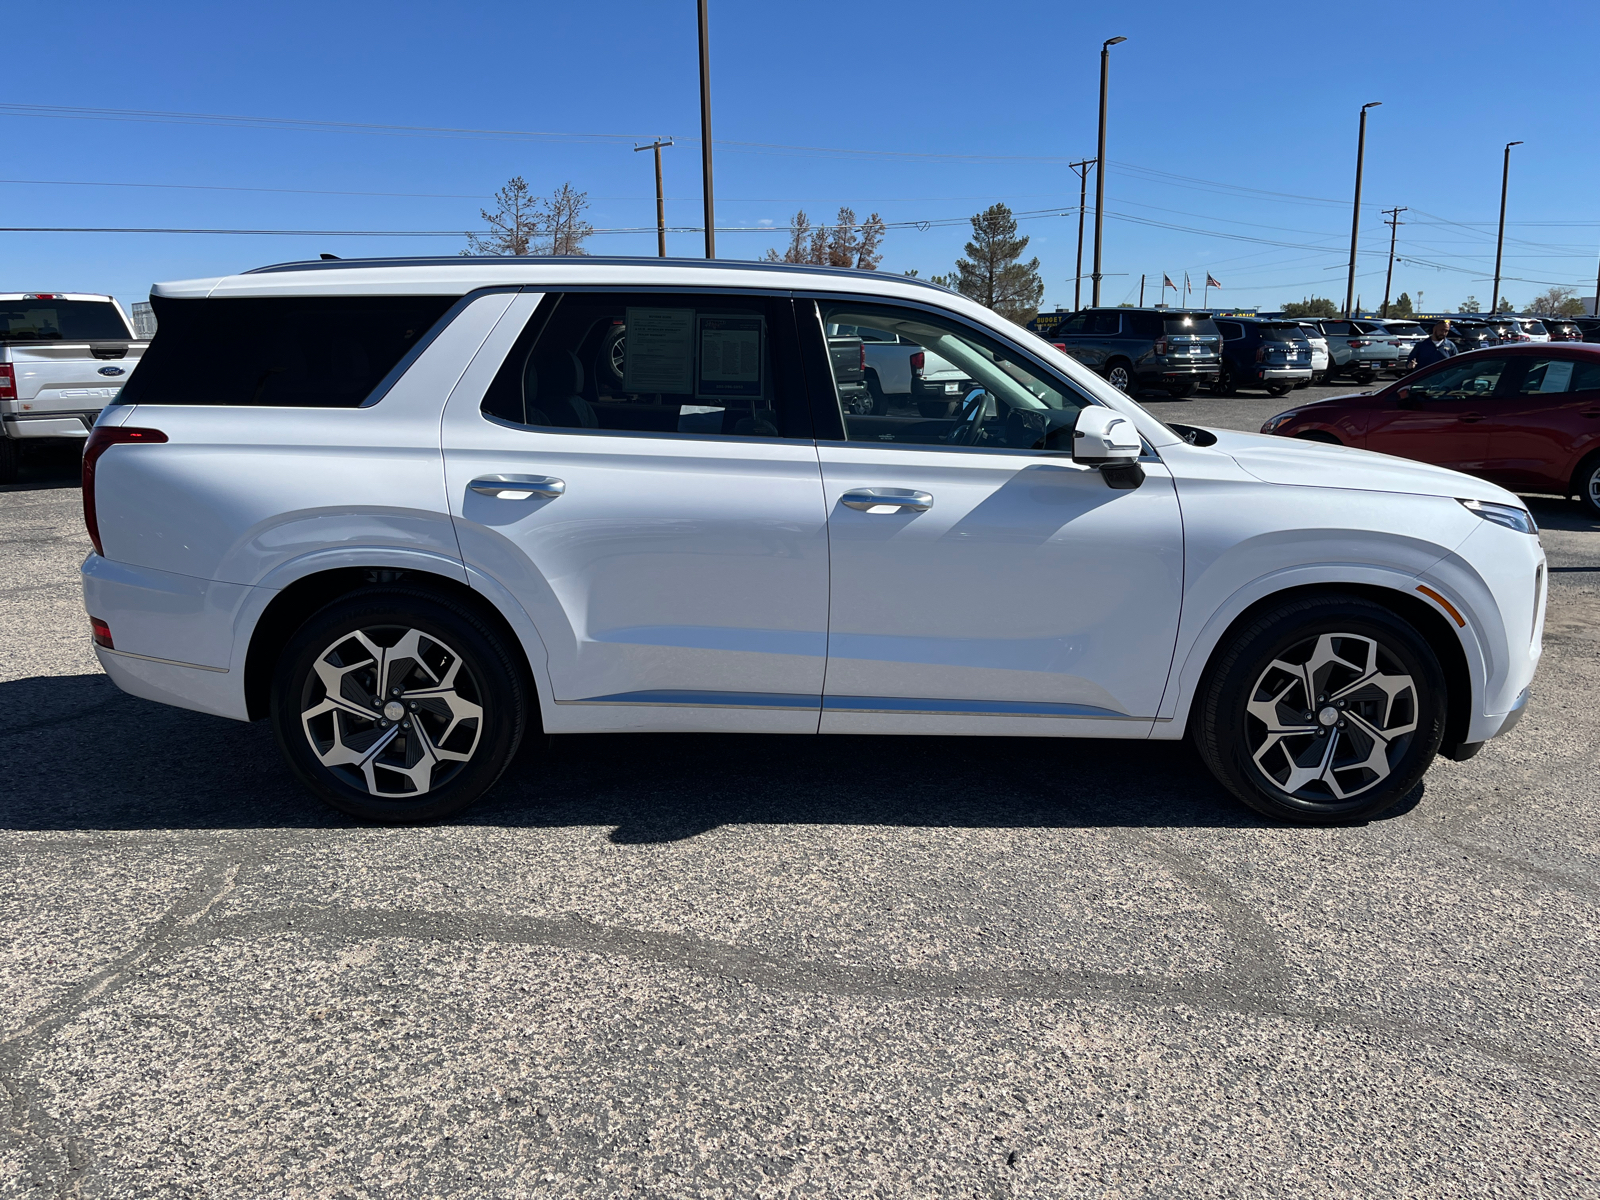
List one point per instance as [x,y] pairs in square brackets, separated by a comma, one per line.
[72,380]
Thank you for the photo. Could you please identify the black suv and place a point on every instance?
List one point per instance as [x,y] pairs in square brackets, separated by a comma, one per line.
[1143,347]
[1272,354]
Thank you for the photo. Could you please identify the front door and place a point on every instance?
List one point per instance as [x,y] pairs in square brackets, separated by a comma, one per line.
[637,471]
[981,579]
[1440,421]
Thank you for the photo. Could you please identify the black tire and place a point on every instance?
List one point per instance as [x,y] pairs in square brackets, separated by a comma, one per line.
[1586,485]
[1182,391]
[1304,383]
[8,460]
[1331,375]
[880,403]
[1224,385]
[1365,377]
[488,676]
[1347,634]
[1119,374]
[1279,389]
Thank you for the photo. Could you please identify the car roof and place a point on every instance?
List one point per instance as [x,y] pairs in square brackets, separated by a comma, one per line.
[1584,349]
[55,296]
[459,274]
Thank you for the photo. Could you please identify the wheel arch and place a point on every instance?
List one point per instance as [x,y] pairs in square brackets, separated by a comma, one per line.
[296,602]
[1430,624]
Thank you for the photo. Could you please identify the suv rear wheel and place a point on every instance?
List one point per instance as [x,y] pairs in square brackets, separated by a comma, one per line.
[398,705]
[1119,373]
[1322,710]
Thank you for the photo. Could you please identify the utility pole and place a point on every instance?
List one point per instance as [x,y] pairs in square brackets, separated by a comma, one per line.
[1500,241]
[1141,291]
[1355,216]
[1597,292]
[1100,158]
[1394,222]
[661,201]
[1082,170]
[705,132]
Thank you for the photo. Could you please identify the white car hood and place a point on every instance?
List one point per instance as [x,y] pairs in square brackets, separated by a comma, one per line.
[1318,464]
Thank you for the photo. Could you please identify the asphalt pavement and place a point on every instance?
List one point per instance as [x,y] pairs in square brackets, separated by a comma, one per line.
[768,967]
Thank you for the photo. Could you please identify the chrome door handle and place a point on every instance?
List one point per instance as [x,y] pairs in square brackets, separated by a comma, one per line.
[868,499]
[518,487]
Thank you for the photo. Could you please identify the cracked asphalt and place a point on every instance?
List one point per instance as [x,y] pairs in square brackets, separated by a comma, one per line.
[767,967]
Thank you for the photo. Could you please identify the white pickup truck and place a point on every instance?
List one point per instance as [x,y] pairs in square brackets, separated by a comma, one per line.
[63,357]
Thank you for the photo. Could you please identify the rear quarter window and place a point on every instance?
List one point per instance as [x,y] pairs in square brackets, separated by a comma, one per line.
[279,352]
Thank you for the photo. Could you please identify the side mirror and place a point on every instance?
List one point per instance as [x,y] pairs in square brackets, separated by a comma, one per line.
[1107,440]
[1403,398]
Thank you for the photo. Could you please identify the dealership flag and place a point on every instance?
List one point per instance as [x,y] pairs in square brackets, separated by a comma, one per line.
[1166,281]
[1210,282]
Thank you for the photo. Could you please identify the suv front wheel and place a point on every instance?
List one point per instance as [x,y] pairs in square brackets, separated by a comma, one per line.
[1322,711]
[398,705]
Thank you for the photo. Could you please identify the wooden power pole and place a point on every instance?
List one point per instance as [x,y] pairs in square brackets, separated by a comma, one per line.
[661,200]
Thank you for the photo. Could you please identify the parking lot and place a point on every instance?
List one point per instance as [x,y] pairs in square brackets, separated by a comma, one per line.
[719,966]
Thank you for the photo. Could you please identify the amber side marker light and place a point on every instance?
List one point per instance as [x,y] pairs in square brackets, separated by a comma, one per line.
[1444,604]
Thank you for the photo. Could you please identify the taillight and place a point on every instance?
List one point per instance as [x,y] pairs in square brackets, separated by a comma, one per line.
[863,357]
[1061,346]
[101,632]
[1261,354]
[101,439]
[1359,343]
[1161,345]
[8,382]
[917,360]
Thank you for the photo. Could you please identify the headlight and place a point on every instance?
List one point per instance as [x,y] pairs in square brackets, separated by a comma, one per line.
[1508,515]
[1279,421]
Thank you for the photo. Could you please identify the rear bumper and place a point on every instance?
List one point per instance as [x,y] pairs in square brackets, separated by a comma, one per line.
[173,635]
[1282,373]
[74,424]
[1176,372]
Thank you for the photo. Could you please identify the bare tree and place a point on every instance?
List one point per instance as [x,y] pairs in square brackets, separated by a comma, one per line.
[523,225]
[563,220]
[868,256]
[845,243]
[992,274]
[512,226]
[1557,302]
[799,241]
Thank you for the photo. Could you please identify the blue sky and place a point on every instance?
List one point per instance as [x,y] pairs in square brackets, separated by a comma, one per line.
[1235,123]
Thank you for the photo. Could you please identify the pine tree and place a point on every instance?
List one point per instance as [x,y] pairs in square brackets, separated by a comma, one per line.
[992,274]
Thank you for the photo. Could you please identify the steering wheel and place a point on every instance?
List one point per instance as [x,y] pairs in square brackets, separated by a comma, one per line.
[969,426]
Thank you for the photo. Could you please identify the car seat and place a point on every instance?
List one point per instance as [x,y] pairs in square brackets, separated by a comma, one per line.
[556,382]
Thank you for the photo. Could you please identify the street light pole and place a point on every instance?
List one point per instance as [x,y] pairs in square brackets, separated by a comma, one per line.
[661,201]
[1500,241]
[1394,222]
[1100,159]
[1082,168]
[705,132]
[1355,216]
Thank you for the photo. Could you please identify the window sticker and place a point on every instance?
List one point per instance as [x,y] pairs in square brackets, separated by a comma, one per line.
[730,357]
[1557,376]
[658,352]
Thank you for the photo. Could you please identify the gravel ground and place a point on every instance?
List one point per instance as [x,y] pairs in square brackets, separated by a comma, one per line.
[736,967]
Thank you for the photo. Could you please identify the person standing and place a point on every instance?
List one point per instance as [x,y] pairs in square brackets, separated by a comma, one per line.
[1437,348]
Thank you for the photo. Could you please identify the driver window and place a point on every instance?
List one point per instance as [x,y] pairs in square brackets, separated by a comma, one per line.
[1475,379]
[940,383]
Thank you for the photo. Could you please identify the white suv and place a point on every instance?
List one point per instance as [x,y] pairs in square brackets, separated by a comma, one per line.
[410,510]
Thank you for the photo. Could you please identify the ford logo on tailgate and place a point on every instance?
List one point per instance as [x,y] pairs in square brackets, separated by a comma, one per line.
[112,371]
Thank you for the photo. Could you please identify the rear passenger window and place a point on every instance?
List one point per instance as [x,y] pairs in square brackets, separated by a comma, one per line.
[279,351]
[657,363]
[1546,376]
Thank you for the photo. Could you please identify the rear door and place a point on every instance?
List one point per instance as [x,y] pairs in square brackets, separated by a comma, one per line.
[636,470]
[1547,418]
[1441,420]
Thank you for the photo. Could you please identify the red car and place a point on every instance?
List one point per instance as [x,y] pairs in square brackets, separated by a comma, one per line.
[1526,417]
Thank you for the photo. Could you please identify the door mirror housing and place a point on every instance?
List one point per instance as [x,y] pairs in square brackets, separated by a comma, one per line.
[1107,440]
[1403,398]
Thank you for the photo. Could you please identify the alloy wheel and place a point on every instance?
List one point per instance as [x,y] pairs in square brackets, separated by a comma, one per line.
[1331,717]
[392,710]
[1592,488]
[1118,378]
